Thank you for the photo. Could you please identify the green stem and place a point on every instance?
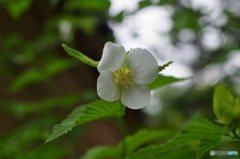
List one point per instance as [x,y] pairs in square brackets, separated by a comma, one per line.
[123,132]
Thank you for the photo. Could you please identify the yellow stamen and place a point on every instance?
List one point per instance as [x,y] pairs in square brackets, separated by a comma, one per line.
[123,77]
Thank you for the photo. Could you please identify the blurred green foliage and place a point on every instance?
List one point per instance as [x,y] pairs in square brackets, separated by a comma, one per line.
[21,108]
[26,142]
[40,74]
[16,7]
[133,142]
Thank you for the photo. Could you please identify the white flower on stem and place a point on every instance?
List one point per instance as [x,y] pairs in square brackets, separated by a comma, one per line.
[124,75]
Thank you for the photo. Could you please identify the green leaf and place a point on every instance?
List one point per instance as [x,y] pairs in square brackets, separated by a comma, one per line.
[162,67]
[207,144]
[144,136]
[66,124]
[223,104]
[162,80]
[102,152]
[132,142]
[81,57]
[100,109]
[183,152]
[119,17]
[83,114]
[195,131]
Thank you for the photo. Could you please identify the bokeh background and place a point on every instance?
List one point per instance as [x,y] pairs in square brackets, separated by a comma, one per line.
[40,84]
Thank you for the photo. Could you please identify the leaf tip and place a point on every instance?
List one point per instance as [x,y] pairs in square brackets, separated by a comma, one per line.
[64,45]
[162,67]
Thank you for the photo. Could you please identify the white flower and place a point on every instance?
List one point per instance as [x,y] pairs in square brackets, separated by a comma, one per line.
[124,75]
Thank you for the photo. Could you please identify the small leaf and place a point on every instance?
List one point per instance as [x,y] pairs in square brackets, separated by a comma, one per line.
[132,142]
[162,67]
[223,104]
[119,17]
[81,57]
[83,114]
[162,80]
[207,143]
[197,130]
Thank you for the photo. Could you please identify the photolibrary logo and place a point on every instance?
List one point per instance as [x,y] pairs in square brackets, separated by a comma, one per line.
[212,152]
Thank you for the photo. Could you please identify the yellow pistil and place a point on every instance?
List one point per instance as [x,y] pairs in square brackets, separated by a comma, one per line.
[123,76]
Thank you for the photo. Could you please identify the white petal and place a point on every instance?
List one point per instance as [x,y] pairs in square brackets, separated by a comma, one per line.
[112,58]
[136,96]
[107,89]
[143,65]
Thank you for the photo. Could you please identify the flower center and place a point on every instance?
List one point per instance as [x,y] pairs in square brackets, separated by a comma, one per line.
[123,76]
